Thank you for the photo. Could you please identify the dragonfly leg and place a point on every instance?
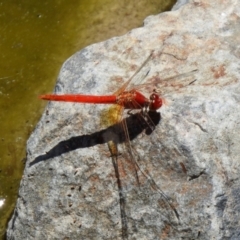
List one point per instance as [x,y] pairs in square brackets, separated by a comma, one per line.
[114,155]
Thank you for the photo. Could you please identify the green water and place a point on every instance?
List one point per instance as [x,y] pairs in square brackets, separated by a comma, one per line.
[36,37]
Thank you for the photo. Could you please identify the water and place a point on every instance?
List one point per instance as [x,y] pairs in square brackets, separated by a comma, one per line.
[36,38]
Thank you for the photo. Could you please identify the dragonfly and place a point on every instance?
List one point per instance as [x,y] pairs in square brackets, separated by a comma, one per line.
[130,100]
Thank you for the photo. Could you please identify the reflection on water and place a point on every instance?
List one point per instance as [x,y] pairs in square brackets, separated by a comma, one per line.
[2,202]
[36,38]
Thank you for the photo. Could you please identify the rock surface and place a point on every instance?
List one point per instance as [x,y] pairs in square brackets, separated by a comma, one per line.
[69,188]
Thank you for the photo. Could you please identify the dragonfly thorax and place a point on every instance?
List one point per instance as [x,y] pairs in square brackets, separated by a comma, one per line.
[132,100]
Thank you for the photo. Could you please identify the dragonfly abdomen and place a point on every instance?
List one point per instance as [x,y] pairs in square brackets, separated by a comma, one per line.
[108,99]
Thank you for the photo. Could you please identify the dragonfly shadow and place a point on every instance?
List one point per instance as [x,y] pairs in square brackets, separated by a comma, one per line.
[115,133]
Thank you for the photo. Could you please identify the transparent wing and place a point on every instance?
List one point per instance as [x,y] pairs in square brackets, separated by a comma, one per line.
[135,178]
[141,80]
[168,84]
[127,83]
[177,81]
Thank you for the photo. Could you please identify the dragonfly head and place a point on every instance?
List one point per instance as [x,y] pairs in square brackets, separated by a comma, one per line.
[156,102]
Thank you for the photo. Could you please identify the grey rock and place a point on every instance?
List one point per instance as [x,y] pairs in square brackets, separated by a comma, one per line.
[179,4]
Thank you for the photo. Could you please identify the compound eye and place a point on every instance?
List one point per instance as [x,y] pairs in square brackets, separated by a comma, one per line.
[156,102]
[153,97]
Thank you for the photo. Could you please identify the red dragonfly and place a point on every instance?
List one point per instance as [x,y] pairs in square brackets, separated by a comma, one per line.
[132,100]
